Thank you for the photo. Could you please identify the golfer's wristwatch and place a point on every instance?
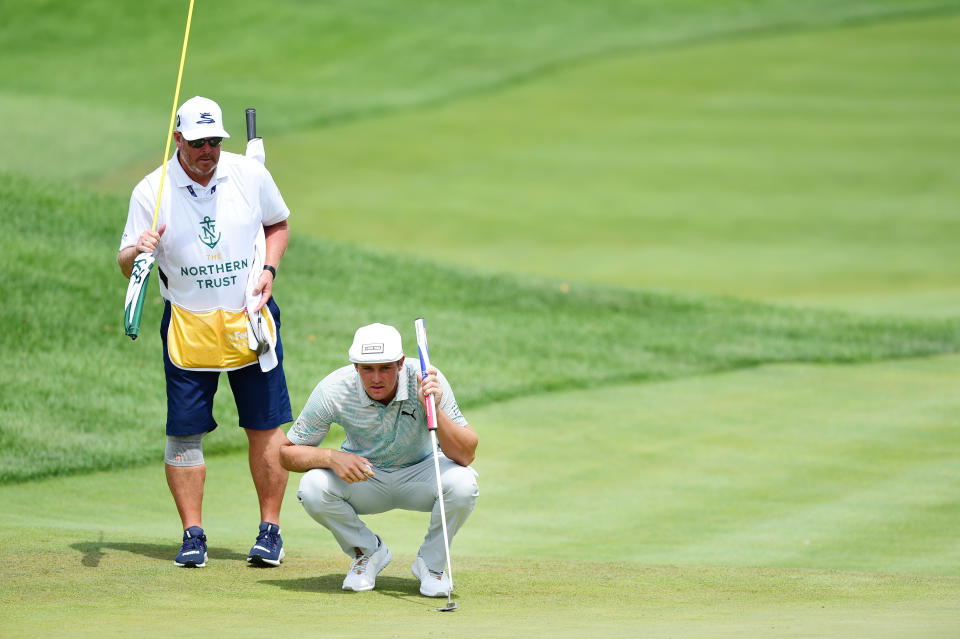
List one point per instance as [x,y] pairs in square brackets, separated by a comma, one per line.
[273,270]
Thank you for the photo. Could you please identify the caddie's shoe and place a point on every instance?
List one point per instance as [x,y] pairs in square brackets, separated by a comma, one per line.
[193,552]
[363,573]
[432,583]
[268,551]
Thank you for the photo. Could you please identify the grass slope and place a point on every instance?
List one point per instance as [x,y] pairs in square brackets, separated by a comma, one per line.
[78,396]
[763,149]
[307,64]
[815,167]
[825,511]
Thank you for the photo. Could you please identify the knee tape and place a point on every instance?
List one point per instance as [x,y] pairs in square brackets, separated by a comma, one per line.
[184,450]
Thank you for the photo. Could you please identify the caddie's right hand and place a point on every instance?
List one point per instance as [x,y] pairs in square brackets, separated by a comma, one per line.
[351,468]
[150,239]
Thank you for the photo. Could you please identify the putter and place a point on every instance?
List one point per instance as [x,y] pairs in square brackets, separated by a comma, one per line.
[263,344]
[421,327]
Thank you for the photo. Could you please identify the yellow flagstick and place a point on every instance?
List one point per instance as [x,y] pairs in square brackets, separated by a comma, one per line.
[173,114]
[140,275]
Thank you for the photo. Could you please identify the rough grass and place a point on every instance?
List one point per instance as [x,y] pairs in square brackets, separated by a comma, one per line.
[79,396]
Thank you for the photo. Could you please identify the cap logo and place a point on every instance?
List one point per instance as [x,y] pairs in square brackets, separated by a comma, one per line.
[206,118]
[370,349]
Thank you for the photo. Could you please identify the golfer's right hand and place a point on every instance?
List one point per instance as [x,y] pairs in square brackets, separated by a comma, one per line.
[351,468]
[150,239]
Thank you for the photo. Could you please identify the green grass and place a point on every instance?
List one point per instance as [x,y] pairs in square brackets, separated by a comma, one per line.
[561,189]
[826,509]
[496,335]
[308,64]
[816,167]
[131,587]
[756,149]
[795,466]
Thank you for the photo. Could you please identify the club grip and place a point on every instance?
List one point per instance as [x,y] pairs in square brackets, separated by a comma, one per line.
[251,124]
[420,325]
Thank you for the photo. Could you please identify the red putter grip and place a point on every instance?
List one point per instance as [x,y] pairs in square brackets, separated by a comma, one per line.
[421,328]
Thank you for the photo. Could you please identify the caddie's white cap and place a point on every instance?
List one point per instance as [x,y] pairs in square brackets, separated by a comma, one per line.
[200,118]
[376,344]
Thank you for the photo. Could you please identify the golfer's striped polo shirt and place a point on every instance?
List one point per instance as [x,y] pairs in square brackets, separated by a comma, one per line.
[390,436]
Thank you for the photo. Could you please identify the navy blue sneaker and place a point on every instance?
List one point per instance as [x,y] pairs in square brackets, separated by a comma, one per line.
[268,551]
[193,552]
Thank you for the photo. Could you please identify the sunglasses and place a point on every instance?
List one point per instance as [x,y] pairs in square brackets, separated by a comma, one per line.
[198,144]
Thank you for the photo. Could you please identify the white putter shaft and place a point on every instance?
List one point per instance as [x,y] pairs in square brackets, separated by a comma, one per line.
[420,326]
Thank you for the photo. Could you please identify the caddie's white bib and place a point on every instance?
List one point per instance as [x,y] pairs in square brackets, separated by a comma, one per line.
[206,251]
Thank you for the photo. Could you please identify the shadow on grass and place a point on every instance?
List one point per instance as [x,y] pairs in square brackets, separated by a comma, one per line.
[401,589]
[93,551]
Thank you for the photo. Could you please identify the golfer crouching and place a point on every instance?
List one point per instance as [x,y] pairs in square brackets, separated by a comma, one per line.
[386,460]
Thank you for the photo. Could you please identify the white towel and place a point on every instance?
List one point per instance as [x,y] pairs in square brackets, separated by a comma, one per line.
[255,150]
[261,327]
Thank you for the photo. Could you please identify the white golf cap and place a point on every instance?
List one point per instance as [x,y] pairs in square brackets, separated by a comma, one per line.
[376,344]
[200,118]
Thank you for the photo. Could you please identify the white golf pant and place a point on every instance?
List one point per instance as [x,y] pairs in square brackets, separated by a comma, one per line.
[336,504]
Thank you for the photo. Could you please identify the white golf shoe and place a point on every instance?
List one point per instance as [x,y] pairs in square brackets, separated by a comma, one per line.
[363,573]
[432,583]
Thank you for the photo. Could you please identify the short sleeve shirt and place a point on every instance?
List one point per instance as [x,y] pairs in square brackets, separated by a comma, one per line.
[391,436]
[206,252]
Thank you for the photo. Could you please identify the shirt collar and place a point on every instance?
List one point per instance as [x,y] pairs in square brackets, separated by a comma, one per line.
[403,384]
[180,178]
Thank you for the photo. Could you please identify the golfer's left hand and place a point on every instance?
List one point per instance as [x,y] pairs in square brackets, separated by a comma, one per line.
[264,289]
[429,386]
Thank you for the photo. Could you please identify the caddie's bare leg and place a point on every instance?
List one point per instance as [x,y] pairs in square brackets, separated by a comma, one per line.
[186,485]
[269,477]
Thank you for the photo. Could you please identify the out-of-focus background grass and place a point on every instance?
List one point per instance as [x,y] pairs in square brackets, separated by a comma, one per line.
[689,267]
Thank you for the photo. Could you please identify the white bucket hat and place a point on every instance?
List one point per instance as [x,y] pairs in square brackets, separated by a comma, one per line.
[200,118]
[376,344]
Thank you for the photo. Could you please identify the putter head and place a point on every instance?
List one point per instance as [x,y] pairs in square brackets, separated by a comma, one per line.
[450,607]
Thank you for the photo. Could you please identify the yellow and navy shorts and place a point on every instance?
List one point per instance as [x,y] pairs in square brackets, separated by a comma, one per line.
[262,399]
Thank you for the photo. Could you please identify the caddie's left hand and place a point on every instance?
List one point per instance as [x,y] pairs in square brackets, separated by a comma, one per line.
[429,386]
[264,289]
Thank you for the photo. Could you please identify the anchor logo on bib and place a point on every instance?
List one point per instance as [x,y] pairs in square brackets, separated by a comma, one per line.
[210,236]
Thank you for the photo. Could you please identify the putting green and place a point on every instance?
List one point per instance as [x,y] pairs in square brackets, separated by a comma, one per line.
[783,500]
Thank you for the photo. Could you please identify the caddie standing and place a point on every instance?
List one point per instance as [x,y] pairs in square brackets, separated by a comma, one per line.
[221,232]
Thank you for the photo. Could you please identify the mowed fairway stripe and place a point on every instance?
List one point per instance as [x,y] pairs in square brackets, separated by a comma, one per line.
[853,467]
[671,509]
[810,167]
